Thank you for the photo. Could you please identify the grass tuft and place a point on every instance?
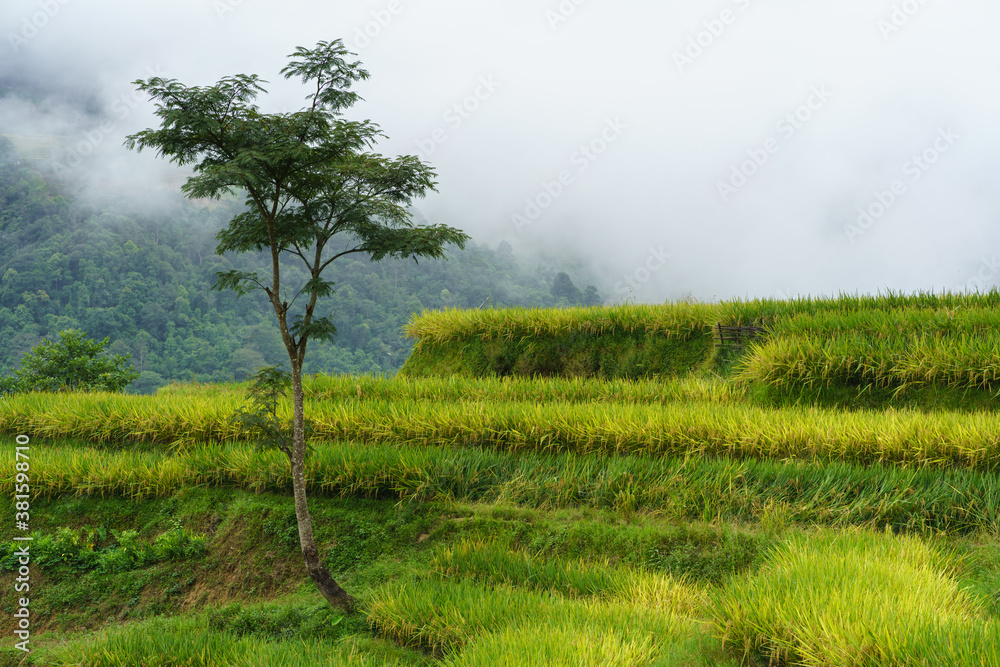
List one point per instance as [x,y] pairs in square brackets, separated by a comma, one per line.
[855,598]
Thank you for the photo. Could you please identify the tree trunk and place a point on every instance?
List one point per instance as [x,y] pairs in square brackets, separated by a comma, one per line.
[333,593]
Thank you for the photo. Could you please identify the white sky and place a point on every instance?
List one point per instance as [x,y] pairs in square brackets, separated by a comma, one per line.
[552,76]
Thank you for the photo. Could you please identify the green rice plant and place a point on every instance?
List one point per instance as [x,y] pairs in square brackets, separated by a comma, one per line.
[186,641]
[855,598]
[838,493]
[492,562]
[489,561]
[959,362]
[277,621]
[613,615]
[772,312]
[565,642]
[510,323]
[444,616]
[676,429]
[448,616]
[107,417]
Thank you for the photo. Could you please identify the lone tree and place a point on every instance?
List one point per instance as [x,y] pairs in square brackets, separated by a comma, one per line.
[74,362]
[310,179]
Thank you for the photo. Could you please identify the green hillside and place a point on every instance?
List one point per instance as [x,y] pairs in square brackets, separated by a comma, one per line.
[143,277]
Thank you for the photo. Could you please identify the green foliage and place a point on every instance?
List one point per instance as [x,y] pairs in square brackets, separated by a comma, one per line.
[563,287]
[260,422]
[616,342]
[177,544]
[277,621]
[86,548]
[72,363]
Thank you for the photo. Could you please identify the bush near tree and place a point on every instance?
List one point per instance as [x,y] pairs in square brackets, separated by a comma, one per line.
[72,363]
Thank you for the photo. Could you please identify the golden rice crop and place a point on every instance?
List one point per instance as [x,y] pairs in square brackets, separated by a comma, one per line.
[676,429]
[893,341]
[772,312]
[514,323]
[855,598]
[519,389]
[883,341]
[678,318]
[957,362]
[892,324]
[680,428]
[111,417]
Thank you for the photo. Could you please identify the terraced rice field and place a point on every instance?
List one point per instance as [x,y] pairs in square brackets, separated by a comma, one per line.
[662,520]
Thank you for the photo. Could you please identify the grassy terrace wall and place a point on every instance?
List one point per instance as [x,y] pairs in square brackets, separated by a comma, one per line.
[618,342]
[923,350]
[930,350]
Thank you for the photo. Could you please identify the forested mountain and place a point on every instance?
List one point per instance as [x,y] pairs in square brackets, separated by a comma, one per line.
[144,278]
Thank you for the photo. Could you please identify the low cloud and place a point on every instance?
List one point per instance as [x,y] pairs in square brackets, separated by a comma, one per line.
[731,162]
